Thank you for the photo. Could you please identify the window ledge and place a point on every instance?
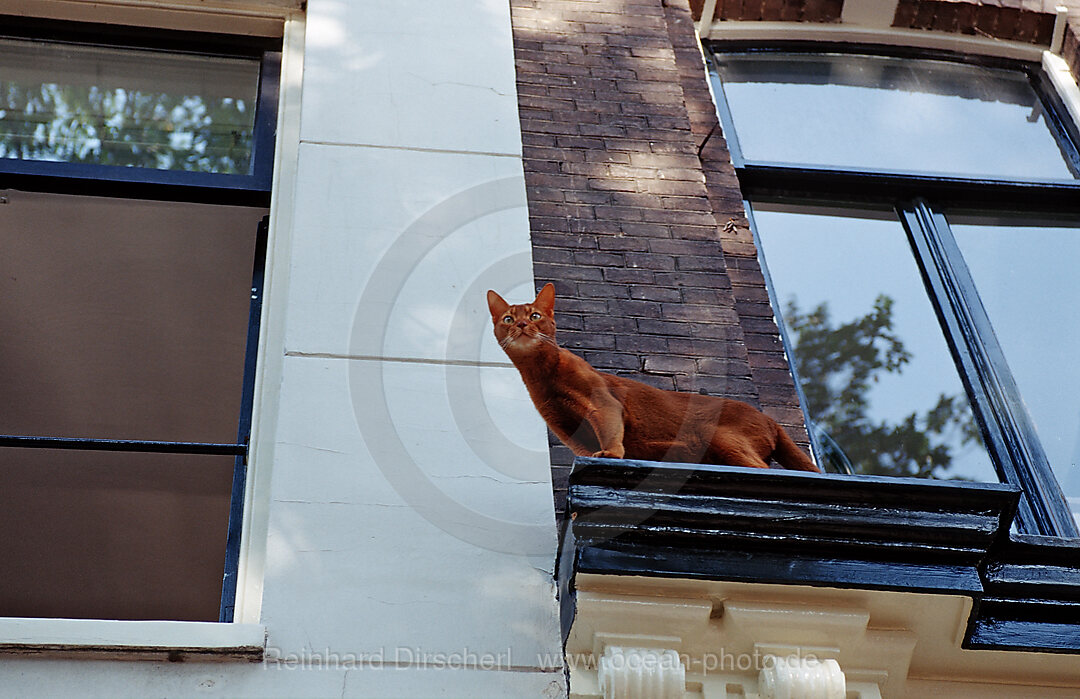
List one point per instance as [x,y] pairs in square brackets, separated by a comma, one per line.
[153,640]
[721,523]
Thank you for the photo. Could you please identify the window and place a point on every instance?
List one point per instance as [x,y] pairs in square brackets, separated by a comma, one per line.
[135,171]
[915,215]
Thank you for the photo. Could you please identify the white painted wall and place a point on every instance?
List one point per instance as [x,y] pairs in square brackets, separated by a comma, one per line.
[403,536]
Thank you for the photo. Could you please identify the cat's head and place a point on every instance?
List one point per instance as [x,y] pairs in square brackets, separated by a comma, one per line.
[524,327]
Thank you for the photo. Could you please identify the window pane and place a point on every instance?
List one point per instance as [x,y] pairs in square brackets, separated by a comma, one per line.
[123,319]
[88,104]
[112,536]
[880,384]
[882,113]
[1025,272]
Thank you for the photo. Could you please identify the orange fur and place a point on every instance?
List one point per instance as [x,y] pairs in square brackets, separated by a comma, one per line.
[598,414]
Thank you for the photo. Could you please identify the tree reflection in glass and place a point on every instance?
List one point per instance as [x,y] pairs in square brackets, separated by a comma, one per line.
[881,390]
[85,104]
[838,364]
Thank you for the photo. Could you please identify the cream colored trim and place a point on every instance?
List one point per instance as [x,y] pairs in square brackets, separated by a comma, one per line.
[707,13]
[249,586]
[782,678]
[1061,18]
[1064,83]
[132,639]
[805,31]
[641,673]
[244,18]
[886,643]
[869,13]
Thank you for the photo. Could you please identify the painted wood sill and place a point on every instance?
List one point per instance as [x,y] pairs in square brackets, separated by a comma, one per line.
[150,640]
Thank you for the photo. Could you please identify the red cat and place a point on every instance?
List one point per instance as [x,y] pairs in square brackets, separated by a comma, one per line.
[598,414]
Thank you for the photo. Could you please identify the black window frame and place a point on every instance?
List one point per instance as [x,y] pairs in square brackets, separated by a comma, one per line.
[250,190]
[920,202]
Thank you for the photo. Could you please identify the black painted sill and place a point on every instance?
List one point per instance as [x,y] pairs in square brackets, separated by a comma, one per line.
[773,526]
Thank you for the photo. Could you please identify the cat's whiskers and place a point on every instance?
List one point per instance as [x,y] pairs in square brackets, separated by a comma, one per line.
[547,338]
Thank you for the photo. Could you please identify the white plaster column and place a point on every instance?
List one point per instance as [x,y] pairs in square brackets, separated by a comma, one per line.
[801,678]
[641,673]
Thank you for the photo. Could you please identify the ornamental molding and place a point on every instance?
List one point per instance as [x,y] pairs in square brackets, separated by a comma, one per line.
[799,678]
[626,646]
[641,673]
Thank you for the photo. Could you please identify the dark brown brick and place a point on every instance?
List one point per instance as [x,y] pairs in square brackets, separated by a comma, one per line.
[986,20]
[965,18]
[905,13]
[1044,28]
[600,259]
[653,293]
[793,11]
[624,243]
[634,308]
[771,10]
[552,255]
[924,15]
[568,272]
[648,344]
[614,108]
[603,291]
[630,276]
[609,324]
[670,365]
[722,367]
[574,339]
[613,360]
[651,326]
[946,17]
[725,386]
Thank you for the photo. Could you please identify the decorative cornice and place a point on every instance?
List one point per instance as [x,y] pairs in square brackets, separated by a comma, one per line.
[1032,597]
[632,518]
[676,520]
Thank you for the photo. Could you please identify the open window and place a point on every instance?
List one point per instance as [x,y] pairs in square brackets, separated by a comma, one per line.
[135,172]
[913,213]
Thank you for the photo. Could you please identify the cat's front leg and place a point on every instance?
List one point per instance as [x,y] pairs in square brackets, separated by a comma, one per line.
[607,423]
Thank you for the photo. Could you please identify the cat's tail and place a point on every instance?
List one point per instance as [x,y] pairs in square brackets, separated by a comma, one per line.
[789,455]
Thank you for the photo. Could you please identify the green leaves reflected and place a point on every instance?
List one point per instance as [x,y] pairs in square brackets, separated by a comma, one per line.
[87,124]
[838,364]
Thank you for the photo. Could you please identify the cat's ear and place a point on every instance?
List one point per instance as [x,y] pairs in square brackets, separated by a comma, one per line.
[496,304]
[545,300]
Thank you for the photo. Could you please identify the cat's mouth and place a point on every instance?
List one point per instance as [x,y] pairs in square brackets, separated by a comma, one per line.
[525,338]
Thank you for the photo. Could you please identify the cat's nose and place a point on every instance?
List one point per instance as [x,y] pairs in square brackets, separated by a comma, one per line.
[521,324]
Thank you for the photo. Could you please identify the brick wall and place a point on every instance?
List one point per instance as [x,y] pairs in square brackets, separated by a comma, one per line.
[1028,21]
[1029,24]
[635,211]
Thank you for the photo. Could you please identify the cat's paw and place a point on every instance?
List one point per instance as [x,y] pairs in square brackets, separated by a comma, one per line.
[607,454]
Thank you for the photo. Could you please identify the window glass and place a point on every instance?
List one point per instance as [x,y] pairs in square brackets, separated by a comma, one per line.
[108,106]
[111,535]
[885,113]
[1025,272]
[880,385]
[123,319]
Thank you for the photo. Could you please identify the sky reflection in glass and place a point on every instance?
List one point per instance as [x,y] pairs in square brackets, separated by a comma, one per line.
[1026,276]
[883,113]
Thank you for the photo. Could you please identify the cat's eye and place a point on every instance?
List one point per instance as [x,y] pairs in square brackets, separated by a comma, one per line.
[508,319]
[535,316]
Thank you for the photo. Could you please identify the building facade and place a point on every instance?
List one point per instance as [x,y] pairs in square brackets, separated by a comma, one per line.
[393,519]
